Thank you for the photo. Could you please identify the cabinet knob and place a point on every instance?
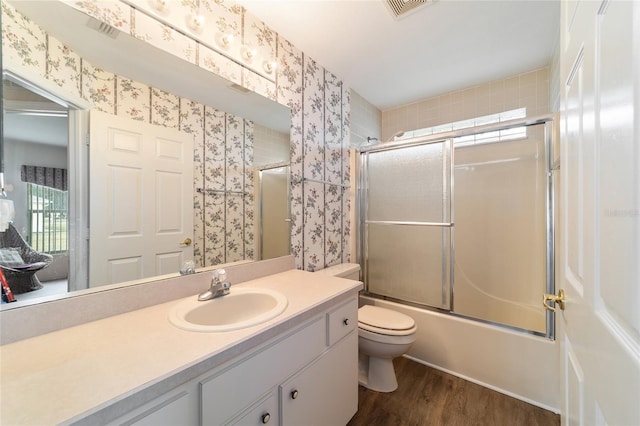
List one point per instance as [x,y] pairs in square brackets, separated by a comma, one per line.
[265,418]
[294,394]
[345,321]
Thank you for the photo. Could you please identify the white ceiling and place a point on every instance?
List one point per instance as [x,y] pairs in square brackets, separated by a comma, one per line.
[29,117]
[446,46]
[36,129]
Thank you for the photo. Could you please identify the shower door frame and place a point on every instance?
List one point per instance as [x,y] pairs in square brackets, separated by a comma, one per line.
[550,167]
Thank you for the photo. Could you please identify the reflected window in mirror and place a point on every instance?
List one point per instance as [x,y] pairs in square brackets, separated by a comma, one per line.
[35,154]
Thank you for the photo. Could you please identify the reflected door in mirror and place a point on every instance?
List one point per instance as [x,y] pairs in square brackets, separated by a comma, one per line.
[141,204]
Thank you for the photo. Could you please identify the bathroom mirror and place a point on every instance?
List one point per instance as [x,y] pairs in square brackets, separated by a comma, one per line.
[133,60]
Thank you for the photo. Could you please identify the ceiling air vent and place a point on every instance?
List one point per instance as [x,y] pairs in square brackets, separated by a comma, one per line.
[401,8]
[103,28]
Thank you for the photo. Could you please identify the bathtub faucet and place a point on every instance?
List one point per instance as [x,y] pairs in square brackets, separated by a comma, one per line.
[219,286]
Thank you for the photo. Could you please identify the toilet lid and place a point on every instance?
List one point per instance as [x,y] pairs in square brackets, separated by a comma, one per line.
[374,316]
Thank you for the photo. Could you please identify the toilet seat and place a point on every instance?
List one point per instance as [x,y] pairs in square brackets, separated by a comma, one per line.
[385,321]
[386,338]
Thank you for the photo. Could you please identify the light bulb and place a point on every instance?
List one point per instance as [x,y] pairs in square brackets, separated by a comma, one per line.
[248,53]
[160,5]
[195,22]
[225,40]
[269,66]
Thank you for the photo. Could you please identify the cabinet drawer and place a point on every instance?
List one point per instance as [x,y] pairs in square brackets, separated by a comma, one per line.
[341,321]
[176,407]
[234,388]
[265,412]
[174,411]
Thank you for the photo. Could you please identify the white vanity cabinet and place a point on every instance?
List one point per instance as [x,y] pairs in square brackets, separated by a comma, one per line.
[317,361]
[137,368]
[307,375]
[228,391]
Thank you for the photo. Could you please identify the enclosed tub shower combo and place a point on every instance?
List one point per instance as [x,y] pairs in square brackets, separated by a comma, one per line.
[462,223]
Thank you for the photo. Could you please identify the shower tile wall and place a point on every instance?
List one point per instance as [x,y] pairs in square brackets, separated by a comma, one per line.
[320,105]
[554,80]
[530,90]
[270,146]
[366,120]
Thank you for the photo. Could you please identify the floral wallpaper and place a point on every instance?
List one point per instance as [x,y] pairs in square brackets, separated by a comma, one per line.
[224,205]
[319,105]
[313,159]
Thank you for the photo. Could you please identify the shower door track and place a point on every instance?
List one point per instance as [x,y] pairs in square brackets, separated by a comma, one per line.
[469,131]
[550,166]
[400,222]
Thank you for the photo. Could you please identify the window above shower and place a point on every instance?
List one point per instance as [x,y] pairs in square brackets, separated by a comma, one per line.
[480,138]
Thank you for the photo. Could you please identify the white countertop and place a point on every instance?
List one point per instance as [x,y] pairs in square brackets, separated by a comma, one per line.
[83,370]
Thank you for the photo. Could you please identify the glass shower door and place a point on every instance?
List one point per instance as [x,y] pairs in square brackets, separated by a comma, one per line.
[501,231]
[503,236]
[407,222]
[274,217]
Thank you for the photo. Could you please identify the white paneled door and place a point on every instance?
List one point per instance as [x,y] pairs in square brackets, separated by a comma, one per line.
[141,202]
[599,330]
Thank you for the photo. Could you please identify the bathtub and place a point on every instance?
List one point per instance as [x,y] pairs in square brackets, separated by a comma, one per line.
[520,365]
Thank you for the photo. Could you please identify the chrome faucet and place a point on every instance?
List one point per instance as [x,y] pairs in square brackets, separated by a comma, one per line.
[219,286]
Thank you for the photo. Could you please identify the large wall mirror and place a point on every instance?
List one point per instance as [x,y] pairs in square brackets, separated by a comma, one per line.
[238,167]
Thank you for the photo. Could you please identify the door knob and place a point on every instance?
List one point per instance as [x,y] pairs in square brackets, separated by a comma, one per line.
[554,298]
[186,242]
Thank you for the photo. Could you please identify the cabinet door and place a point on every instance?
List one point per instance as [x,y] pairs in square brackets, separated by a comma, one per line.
[326,392]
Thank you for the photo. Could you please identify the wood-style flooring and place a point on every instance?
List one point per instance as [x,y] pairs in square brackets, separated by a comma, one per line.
[426,396]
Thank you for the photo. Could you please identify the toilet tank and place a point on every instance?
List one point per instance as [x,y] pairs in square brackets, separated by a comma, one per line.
[350,271]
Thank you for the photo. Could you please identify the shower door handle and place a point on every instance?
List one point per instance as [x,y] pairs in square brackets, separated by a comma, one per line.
[554,298]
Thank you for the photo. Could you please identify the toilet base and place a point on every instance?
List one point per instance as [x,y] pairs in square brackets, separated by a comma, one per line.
[377,374]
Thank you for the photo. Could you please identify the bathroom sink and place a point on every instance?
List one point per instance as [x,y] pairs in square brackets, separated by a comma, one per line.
[242,307]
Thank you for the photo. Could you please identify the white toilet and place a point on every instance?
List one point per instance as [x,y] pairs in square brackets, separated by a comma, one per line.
[383,334]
